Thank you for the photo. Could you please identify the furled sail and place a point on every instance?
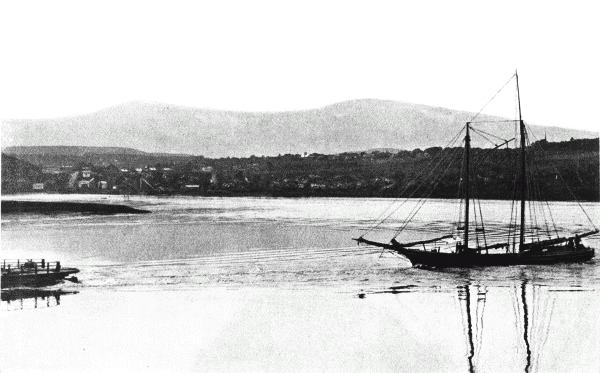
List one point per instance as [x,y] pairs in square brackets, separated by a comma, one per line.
[396,244]
[415,243]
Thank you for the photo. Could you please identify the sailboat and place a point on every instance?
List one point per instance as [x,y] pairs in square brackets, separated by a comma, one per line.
[461,250]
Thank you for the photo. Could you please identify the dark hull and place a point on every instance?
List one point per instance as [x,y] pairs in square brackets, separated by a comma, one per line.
[16,279]
[444,260]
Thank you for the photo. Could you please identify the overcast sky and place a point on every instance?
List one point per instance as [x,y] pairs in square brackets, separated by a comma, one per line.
[64,58]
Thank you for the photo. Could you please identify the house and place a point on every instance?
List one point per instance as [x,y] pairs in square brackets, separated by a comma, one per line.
[51,170]
[86,172]
[85,183]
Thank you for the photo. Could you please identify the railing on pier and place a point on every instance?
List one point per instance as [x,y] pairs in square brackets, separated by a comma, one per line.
[29,266]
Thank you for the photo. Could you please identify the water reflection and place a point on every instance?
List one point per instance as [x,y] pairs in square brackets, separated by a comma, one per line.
[473,298]
[519,324]
[29,298]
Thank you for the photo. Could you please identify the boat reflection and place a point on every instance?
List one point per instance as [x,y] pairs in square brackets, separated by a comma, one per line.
[521,328]
[31,298]
[533,306]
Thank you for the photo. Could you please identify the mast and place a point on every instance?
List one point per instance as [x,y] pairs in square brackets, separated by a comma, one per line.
[523,171]
[467,185]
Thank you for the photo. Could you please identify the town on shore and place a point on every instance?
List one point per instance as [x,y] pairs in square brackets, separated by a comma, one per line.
[377,173]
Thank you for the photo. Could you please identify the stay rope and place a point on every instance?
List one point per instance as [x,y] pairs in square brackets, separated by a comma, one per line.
[492,99]
[408,185]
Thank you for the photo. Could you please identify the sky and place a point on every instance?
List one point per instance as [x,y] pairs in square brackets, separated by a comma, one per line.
[64,58]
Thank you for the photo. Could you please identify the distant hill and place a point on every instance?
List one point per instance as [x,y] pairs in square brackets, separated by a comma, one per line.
[343,127]
[80,151]
[379,150]
[57,156]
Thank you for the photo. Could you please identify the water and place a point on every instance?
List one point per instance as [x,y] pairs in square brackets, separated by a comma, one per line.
[267,284]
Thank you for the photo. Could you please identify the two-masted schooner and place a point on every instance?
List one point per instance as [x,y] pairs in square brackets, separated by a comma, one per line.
[520,248]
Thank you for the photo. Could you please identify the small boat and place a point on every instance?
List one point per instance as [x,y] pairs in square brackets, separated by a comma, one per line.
[34,273]
[523,243]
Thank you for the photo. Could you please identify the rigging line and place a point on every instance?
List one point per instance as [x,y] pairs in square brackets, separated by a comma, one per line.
[542,199]
[552,218]
[482,224]
[495,121]
[405,200]
[452,156]
[420,203]
[490,141]
[537,186]
[532,230]
[545,205]
[531,203]
[513,211]
[428,192]
[491,150]
[566,185]
[475,221]
[475,199]
[513,223]
[458,196]
[478,201]
[507,157]
[448,145]
[482,158]
[489,134]
[422,200]
[532,172]
[484,106]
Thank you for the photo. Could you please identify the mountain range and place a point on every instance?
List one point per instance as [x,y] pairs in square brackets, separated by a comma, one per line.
[343,127]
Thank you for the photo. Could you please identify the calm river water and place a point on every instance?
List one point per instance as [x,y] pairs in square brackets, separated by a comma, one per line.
[268,284]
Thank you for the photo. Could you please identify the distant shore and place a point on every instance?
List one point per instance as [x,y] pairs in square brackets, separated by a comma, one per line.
[290,193]
[25,207]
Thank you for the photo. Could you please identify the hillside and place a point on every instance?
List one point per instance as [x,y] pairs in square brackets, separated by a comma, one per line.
[68,150]
[17,175]
[82,151]
[376,174]
[347,126]
[57,156]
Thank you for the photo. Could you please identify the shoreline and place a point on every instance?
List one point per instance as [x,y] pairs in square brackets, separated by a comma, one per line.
[50,207]
[290,195]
